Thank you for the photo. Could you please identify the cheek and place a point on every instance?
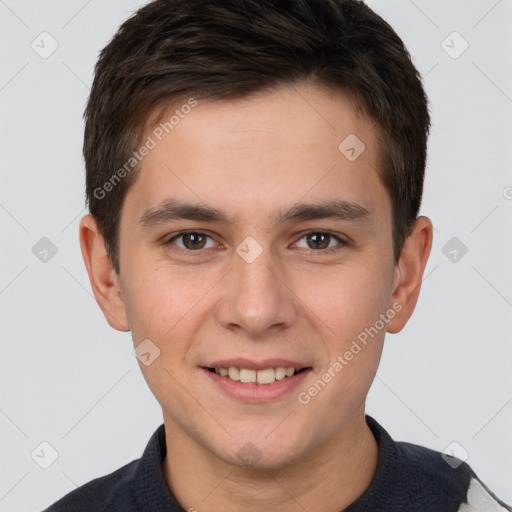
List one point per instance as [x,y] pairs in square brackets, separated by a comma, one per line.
[349,321]
[160,301]
[163,305]
[352,301]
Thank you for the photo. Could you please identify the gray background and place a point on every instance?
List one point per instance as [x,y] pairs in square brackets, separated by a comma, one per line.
[68,379]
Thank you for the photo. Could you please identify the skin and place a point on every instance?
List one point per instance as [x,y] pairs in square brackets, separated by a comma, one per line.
[249,157]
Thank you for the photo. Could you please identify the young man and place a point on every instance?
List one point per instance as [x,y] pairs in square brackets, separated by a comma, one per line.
[254,177]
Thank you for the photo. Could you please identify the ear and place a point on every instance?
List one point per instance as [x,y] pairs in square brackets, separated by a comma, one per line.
[409,272]
[104,280]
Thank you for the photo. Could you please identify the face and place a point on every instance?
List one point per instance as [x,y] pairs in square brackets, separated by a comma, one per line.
[291,264]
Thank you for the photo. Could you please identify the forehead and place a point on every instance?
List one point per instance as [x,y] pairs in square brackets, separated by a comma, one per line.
[254,154]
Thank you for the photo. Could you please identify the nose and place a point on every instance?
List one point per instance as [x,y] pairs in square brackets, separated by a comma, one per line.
[256,298]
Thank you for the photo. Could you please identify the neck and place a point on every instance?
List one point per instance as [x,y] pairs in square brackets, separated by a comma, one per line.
[327,480]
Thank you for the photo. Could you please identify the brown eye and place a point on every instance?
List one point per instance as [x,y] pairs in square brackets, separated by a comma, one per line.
[318,240]
[321,241]
[193,240]
[190,241]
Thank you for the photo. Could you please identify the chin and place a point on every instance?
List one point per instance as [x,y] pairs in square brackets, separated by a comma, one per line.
[260,453]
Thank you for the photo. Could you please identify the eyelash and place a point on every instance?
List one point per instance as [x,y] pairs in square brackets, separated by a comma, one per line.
[190,252]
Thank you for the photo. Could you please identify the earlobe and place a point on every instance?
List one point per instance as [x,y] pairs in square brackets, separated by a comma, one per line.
[409,272]
[102,276]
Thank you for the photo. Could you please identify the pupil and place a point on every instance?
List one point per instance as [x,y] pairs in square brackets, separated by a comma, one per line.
[192,238]
[315,239]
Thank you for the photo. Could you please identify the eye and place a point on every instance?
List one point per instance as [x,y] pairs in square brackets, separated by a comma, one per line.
[319,241]
[191,241]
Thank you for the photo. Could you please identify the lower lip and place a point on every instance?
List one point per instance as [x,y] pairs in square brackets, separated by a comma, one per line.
[252,392]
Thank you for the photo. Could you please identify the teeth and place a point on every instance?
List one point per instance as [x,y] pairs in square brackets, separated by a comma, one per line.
[280,373]
[233,373]
[266,376]
[247,375]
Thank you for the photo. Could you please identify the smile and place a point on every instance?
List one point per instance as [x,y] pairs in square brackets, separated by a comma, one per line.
[256,386]
[250,376]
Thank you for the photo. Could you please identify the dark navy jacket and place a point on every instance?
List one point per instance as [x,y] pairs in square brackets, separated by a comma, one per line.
[409,478]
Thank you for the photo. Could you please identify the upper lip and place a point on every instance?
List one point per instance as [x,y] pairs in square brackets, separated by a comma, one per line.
[263,364]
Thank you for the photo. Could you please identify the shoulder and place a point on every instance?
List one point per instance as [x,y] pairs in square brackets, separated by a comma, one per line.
[430,480]
[136,486]
[417,472]
[429,469]
[451,476]
[414,477]
[96,494]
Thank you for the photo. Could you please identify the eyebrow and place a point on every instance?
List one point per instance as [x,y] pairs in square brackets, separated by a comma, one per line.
[173,209]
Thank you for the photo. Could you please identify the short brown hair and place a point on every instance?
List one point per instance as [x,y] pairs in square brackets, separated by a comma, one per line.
[171,50]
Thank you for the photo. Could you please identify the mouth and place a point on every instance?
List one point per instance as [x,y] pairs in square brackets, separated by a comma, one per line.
[264,376]
[256,381]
